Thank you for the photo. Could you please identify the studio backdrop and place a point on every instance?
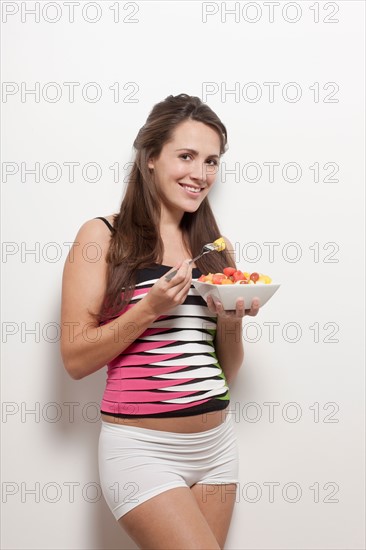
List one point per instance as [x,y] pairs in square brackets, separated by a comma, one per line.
[287,79]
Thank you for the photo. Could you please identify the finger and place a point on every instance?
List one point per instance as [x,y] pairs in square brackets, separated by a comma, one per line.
[181,274]
[173,271]
[187,267]
[219,307]
[184,268]
[211,304]
[187,272]
[183,292]
[240,307]
[254,307]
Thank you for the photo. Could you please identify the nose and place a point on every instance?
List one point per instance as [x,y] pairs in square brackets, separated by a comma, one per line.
[199,171]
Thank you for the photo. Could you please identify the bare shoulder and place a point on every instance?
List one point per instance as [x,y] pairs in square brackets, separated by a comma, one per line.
[85,272]
[95,230]
[97,222]
[109,219]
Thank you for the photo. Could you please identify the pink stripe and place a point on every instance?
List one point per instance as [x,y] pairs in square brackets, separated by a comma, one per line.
[153,331]
[129,360]
[146,346]
[138,384]
[145,408]
[146,396]
[139,291]
[139,372]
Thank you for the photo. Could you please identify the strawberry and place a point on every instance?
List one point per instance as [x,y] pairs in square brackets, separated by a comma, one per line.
[238,276]
[229,271]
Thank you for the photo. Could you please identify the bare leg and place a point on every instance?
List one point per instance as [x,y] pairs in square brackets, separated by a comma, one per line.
[216,503]
[170,521]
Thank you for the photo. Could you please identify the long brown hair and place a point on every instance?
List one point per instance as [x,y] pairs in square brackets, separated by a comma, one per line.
[136,241]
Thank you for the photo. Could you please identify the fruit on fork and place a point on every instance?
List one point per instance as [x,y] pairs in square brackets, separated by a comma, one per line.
[218,245]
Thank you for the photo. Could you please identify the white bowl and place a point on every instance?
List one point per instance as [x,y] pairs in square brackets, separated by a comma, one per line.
[228,294]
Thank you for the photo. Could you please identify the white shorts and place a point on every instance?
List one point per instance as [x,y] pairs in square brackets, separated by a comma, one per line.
[136,464]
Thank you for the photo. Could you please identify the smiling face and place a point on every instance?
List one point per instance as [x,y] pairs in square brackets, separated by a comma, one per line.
[186,168]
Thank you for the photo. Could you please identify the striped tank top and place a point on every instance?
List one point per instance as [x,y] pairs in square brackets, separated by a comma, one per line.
[171,369]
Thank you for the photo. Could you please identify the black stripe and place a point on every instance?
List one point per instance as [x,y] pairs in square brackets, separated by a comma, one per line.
[172,330]
[209,406]
[106,222]
[156,271]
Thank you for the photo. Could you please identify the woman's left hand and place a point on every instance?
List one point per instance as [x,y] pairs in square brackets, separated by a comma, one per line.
[215,306]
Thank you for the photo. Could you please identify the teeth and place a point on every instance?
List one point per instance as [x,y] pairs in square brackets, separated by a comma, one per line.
[193,189]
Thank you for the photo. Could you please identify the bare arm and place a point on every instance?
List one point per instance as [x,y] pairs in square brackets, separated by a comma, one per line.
[85,347]
[229,347]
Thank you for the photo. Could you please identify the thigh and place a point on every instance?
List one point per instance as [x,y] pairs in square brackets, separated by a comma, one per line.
[171,520]
[216,503]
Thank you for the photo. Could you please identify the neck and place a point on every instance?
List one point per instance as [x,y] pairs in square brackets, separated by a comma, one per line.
[170,221]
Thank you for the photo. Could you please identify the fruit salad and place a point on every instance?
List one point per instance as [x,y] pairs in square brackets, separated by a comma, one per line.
[232,276]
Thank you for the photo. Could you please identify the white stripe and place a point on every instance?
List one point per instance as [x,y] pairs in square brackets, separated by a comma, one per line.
[192,292]
[184,348]
[186,361]
[149,282]
[196,397]
[138,298]
[184,335]
[187,310]
[199,386]
[184,322]
[191,309]
[203,372]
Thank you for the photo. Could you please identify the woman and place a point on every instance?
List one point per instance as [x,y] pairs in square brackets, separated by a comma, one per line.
[167,448]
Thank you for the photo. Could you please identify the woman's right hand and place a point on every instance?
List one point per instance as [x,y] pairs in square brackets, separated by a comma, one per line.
[165,295]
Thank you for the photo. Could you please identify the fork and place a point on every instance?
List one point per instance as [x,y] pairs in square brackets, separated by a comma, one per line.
[210,247]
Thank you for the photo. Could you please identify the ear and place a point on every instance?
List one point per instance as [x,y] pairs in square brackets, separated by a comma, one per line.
[150,163]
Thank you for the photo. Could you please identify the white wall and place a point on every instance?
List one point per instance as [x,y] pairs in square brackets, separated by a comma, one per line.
[298,401]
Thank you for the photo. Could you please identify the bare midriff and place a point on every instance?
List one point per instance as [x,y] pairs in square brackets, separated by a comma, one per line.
[180,424]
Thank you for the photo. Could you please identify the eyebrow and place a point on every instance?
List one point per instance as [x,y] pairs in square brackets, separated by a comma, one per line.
[194,152]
